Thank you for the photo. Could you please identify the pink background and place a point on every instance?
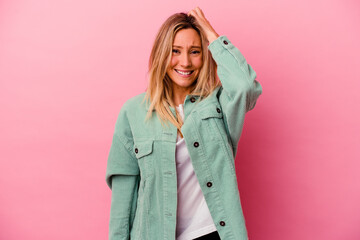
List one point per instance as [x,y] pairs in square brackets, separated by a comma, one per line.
[66,68]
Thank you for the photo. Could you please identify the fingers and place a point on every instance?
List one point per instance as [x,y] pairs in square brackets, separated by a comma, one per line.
[199,11]
[196,12]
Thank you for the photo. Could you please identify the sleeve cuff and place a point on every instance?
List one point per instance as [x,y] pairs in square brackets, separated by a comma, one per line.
[219,44]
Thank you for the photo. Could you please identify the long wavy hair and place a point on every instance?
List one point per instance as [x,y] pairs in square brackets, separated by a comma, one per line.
[159,91]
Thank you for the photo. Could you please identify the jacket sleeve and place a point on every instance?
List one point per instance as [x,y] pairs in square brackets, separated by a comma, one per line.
[122,177]
[239,91]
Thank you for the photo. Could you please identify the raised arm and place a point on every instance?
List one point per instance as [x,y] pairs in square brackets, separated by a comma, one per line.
[240,90]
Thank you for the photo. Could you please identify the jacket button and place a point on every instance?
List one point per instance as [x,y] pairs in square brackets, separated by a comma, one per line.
[136,150]
[196,144]
[209,184]
[225,42]
[192,99]
[222,223]
[218,110]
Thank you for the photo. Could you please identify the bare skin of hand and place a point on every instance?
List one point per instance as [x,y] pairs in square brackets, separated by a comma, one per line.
[198,14]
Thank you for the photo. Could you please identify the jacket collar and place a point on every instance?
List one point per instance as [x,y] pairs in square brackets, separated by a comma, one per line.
[189,99]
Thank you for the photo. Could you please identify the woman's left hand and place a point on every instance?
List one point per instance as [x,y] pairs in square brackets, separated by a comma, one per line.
[198,14]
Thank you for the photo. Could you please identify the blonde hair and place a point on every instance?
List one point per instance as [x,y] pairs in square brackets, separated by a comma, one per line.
[159,90]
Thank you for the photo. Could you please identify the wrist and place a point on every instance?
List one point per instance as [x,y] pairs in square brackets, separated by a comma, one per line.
[213,36]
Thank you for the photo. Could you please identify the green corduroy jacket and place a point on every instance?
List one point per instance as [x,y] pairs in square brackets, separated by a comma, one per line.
[141,167]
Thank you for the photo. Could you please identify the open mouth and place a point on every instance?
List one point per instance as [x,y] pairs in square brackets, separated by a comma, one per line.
[184,73]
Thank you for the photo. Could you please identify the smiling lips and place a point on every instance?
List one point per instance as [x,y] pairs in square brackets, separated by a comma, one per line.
[184,73]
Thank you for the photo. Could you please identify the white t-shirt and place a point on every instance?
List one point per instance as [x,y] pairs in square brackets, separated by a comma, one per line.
[193,215]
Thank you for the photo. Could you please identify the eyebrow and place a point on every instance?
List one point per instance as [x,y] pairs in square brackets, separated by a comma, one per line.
[190,46]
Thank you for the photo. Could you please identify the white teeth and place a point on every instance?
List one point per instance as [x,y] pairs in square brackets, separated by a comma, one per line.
[183,73]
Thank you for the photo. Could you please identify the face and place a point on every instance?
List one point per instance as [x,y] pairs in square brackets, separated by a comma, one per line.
[186,60]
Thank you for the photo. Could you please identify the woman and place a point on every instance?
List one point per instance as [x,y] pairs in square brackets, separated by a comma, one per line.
[171,164]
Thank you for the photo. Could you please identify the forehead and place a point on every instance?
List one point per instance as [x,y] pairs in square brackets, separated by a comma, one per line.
[187,37]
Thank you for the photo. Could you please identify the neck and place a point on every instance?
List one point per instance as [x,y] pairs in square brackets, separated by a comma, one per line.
[179,95]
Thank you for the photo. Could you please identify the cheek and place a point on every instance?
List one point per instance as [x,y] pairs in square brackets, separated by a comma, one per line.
[173,62]
[198,62]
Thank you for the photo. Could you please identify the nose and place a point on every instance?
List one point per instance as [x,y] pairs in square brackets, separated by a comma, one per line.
[185,60]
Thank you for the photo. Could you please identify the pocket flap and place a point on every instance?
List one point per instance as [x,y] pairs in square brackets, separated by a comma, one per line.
[143,148]
[213,111]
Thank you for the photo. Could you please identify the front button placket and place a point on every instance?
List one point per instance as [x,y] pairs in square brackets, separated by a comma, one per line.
[201,166]
[189,105]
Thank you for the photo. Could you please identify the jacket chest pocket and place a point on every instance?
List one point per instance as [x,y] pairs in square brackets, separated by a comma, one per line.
[144,153]
[213,121]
